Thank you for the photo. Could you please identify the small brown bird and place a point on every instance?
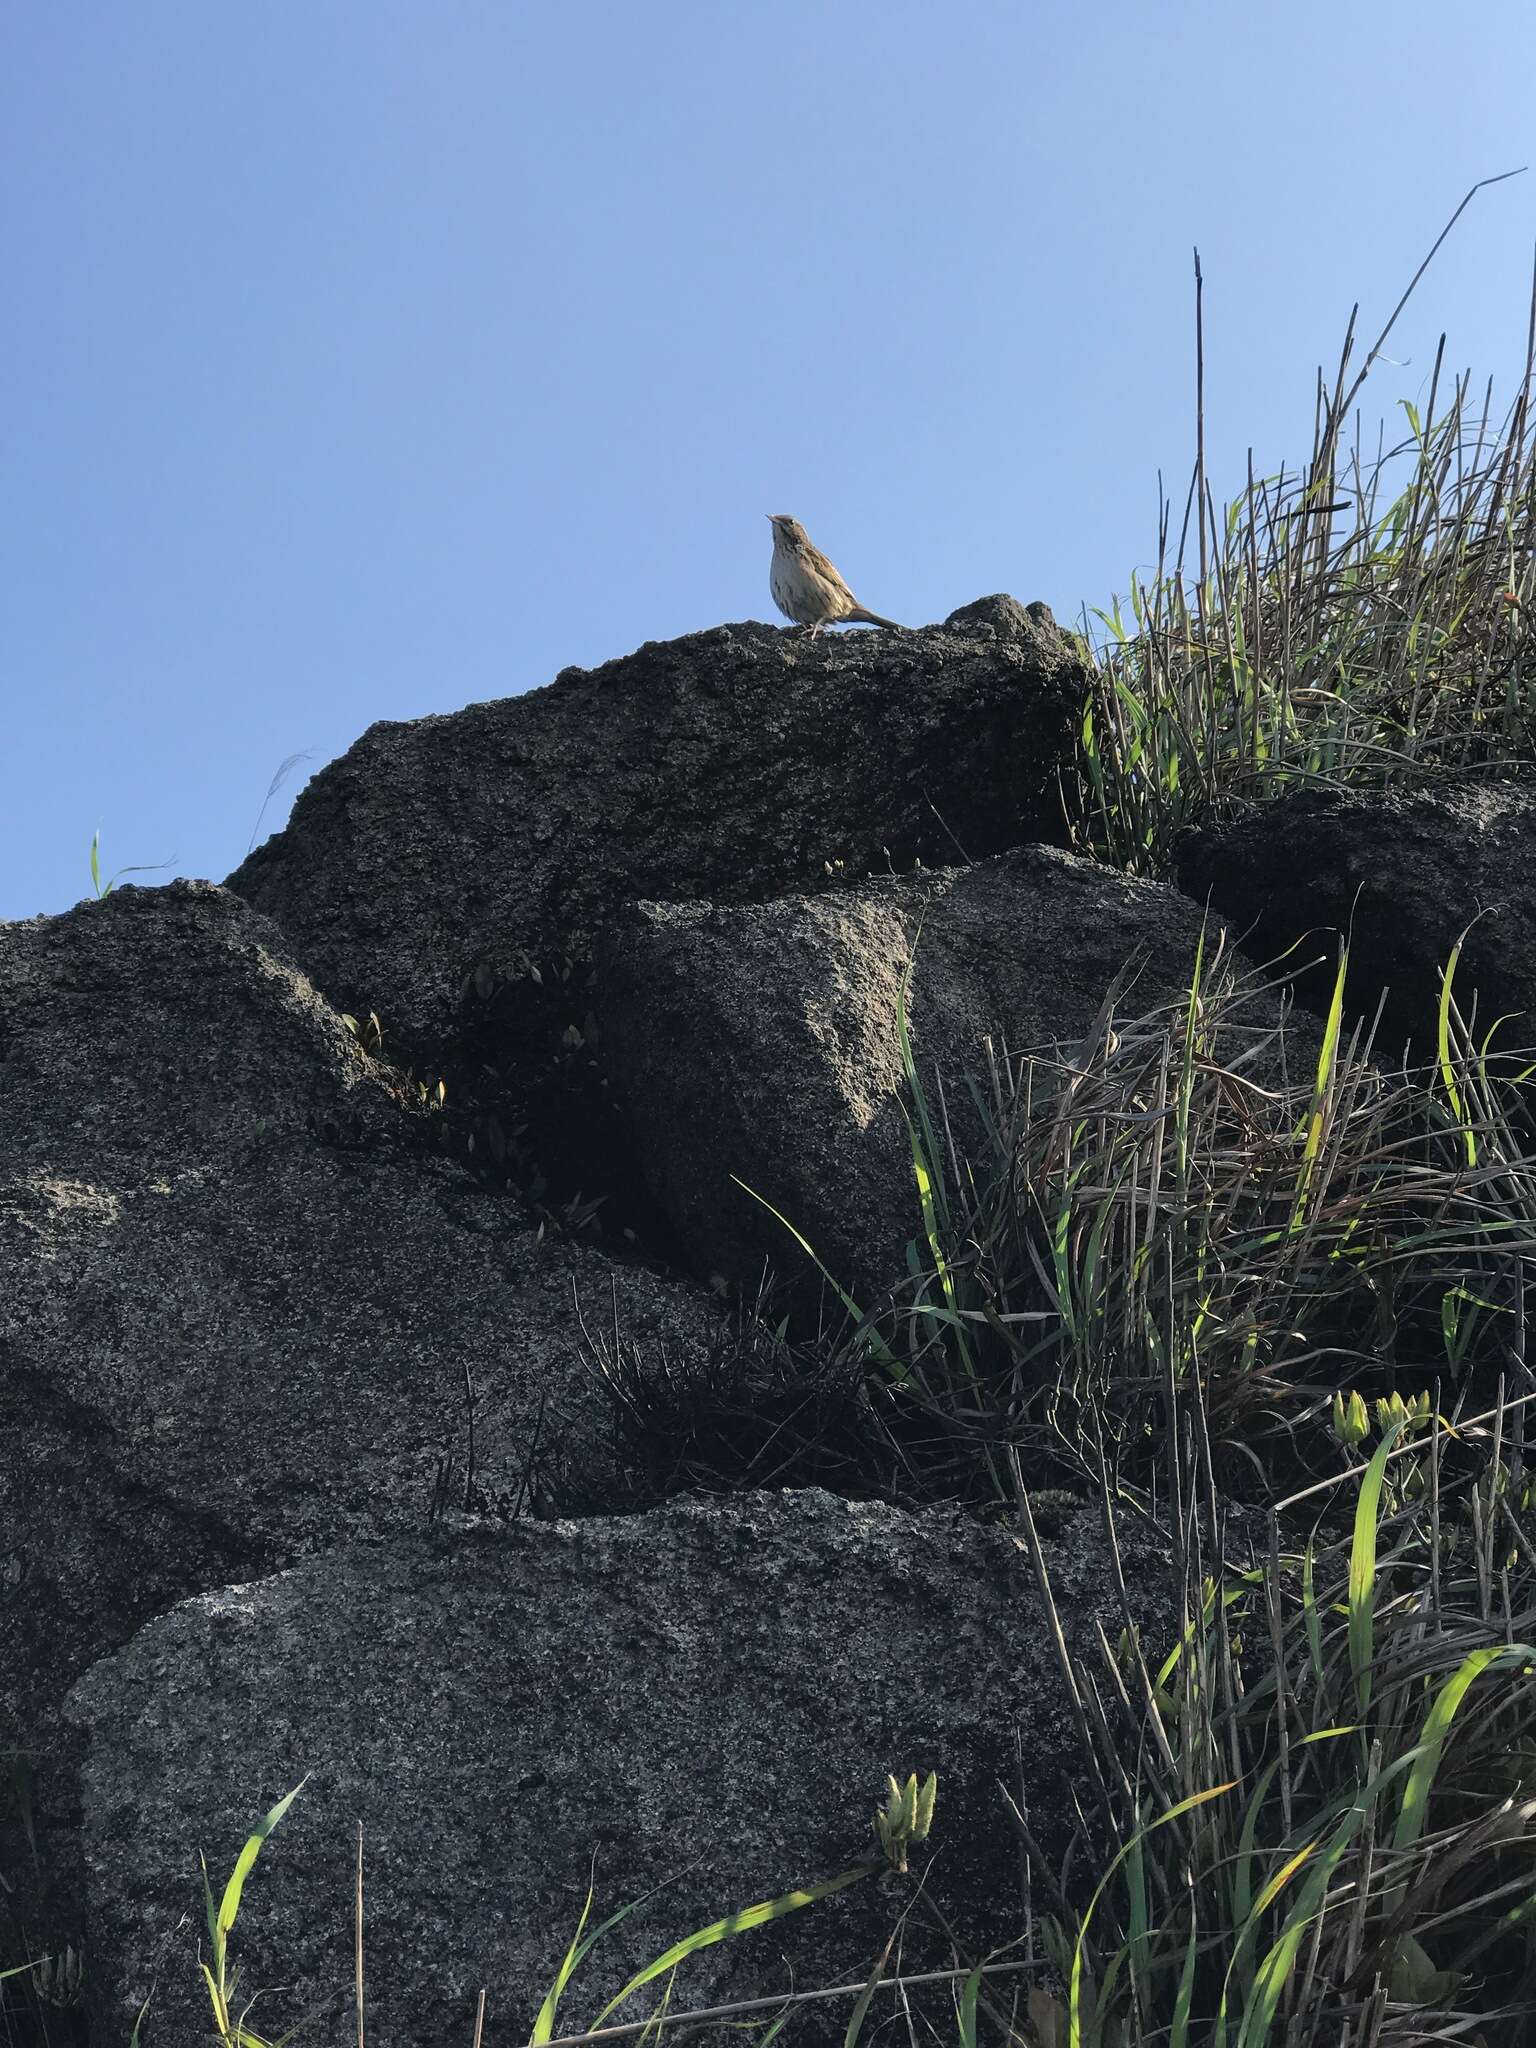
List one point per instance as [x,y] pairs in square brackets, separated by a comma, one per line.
[806,587]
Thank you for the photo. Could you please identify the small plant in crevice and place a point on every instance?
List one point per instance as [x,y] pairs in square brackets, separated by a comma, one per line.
[57,1979]
[221,1978]
[430,1093]
[100,888]
[757,1408]
[519,1098]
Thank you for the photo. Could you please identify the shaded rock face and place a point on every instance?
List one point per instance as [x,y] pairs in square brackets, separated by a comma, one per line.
[1405,875]
[249,1304]
[761,1042]
[711,1694]
[733,764]
[239,1299]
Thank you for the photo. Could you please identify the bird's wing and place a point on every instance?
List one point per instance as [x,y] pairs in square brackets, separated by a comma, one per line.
[816,560]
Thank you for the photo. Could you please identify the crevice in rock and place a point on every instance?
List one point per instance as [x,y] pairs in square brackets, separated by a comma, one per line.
[527,1110]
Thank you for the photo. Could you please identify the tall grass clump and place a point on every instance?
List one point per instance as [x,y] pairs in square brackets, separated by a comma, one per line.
[1365,617]
[1315,1815]
[1205,1194]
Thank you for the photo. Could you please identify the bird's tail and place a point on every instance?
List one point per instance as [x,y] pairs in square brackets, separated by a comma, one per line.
[859,617]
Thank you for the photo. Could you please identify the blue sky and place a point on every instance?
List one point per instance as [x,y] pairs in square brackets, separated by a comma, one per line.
[366,358]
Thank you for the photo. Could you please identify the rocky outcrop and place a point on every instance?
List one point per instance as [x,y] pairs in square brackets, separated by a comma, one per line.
[445,856]
[252,1308]
[241,1298]
[760,1044]
[706,1698]
[1406,875]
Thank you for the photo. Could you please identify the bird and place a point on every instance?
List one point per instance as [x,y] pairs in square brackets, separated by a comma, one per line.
[807,588]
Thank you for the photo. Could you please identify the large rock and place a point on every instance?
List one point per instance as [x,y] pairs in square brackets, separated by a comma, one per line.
[733,764]
[710,1695]
[760,1043]
[1406,875]
[239,1298]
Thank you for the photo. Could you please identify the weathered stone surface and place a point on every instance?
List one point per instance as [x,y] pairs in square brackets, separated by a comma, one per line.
[1406,874]
[761,1041]
[733,764]
[238,1300]
[711,1693]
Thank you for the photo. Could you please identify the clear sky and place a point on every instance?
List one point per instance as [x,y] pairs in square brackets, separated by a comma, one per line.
[366,358]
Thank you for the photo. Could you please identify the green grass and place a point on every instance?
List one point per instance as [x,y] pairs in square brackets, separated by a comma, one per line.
[1363,619]
[1315,1814]
[900,1825]
[1201,1193]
